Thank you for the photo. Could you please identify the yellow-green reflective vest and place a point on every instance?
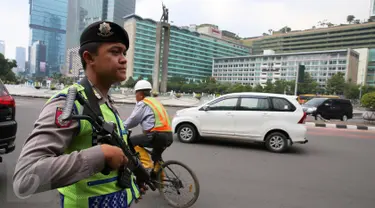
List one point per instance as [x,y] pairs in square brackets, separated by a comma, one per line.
[98,190]
[162,121]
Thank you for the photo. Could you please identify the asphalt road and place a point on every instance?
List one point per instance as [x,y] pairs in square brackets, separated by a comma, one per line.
[335,169]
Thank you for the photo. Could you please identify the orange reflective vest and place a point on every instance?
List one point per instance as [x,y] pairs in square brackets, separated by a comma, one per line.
[162,121]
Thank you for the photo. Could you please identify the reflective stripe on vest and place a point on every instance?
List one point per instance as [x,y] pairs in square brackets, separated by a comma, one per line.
[98,190]
[162,121]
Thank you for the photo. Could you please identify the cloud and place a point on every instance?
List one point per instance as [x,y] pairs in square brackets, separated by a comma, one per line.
[244,17]
[253,17]
[14,24]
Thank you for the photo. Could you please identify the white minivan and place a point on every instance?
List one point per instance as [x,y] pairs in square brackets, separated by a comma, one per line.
[276,120]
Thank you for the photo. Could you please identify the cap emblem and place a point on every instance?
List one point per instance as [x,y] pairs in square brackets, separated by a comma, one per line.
[105,30]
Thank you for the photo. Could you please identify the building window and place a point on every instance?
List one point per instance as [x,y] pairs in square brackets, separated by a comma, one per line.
[332,62]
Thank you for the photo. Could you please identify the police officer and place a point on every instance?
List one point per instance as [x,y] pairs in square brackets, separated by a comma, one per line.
[62,155]
[155,123]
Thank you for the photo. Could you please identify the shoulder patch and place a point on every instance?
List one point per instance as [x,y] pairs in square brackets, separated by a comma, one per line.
[57,122]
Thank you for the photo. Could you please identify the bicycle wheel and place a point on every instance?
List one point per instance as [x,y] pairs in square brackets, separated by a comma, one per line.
[170,178]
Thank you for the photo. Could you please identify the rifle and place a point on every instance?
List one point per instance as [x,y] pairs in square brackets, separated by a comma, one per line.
[106,132]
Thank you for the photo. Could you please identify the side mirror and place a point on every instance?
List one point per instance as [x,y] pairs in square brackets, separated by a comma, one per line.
[206,107]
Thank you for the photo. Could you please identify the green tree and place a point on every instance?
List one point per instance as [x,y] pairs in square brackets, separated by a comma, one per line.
[367,89]
[237,88]
[140,78]
[149,78]
[280,86]
[336,84]
[351,91]
[269,88]
[285,29]
[209,80]
[368,100]
[223,88]
[309,85]
[130,82]
[350,18]
[179,80]
[6,66]
[258,88]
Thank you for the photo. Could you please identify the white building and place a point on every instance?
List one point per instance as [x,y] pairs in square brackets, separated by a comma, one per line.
[2,47]
[73,65]
[257,69]
[20,58]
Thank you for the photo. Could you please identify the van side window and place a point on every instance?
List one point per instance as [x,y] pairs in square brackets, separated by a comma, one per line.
[328,102]
[228,104]
[281,104]
[254,104]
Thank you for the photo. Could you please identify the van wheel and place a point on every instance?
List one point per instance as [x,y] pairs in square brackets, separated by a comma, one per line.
[344,118]
[187,133]
[277,142]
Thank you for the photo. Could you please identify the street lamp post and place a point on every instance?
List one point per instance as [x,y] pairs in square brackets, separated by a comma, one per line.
[362,84]
[296,84]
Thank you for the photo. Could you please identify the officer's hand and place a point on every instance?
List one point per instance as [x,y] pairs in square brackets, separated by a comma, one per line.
[114,156]
[142,189]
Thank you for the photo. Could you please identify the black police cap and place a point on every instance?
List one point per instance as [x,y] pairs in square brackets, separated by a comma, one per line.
[105,32]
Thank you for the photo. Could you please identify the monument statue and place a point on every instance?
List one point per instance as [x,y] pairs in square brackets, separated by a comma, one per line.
[162,30]
[164,17]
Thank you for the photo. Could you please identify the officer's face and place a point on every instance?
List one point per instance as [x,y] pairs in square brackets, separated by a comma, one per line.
[110,62]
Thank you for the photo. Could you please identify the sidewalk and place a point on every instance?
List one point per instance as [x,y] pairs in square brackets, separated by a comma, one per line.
[334,125]
[22,91]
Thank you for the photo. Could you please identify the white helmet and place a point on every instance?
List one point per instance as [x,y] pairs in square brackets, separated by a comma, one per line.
[142,85]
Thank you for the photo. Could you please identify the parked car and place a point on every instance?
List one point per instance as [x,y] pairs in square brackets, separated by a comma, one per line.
[329,108]
[8,124]
[303,98]
[273,119]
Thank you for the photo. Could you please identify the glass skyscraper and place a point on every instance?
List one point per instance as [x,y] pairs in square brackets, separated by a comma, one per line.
[48,25]
[84,12]
[21,58]
[190,53]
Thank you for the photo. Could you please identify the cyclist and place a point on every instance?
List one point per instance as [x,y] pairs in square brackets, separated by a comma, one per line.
[155,123]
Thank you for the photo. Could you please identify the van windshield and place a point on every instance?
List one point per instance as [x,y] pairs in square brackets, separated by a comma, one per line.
[315,101]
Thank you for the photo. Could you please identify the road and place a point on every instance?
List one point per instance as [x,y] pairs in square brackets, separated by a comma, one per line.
[335,169]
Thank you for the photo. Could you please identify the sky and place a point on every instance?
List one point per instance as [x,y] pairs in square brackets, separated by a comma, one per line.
[247,18]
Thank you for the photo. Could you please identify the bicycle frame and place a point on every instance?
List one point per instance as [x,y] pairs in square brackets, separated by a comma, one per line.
[158,165]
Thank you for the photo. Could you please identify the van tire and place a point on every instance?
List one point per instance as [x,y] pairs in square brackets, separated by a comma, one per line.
[344,117]
[277,142]
[187,133]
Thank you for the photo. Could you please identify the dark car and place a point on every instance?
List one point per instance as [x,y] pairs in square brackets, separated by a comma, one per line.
[8,124]
[329,108]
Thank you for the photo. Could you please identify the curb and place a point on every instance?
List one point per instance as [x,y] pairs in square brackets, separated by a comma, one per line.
[340,126]
[116,102]
[169,105]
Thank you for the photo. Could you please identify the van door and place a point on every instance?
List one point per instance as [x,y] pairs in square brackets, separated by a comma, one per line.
[325,109]
[337,109]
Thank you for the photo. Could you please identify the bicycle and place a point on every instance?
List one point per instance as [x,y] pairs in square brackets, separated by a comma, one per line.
[106,132]
[163,180]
